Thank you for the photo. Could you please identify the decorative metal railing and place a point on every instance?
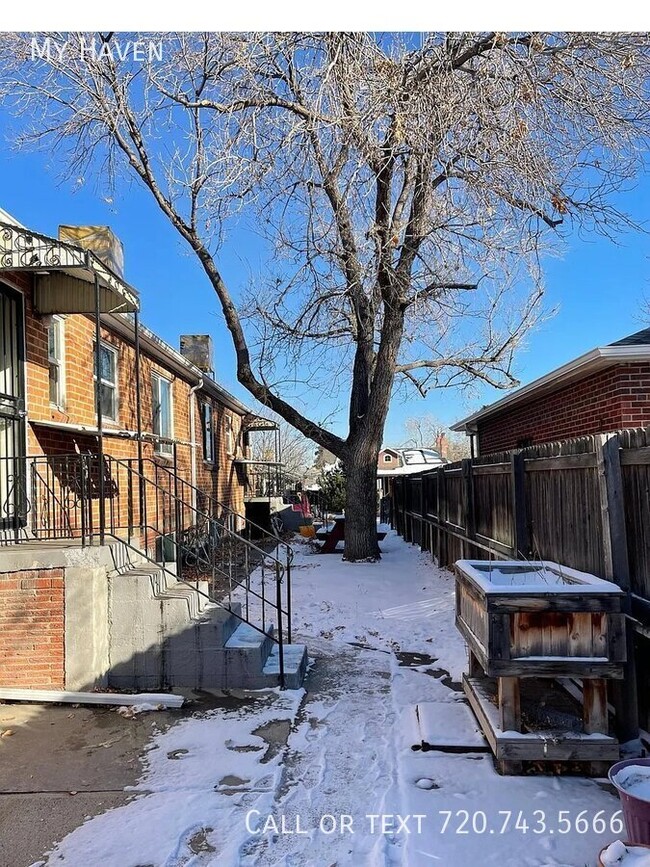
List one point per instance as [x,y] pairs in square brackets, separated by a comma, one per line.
[167,520]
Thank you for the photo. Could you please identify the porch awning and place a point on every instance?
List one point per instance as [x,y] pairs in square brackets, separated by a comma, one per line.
[254,422]
[65,274]
[249,462]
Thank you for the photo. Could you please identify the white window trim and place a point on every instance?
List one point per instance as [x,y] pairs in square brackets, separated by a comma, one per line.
[59,362]
[163,450]
[388,459]
[230,437]
[212,458]
[114,385]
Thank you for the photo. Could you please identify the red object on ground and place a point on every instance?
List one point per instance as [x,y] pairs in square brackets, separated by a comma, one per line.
[636,811]
[337,534]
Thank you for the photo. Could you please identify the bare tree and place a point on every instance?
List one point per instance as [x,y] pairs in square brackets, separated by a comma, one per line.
[408,187]
[425,431]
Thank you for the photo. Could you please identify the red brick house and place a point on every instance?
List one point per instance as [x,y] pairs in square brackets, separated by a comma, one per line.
[115,450]
[604,390]
[388,459]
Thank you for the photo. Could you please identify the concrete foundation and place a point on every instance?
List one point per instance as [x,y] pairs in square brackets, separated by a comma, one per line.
[129,624]
[86,628]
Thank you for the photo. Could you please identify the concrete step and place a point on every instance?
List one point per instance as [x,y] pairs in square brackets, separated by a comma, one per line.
[250,643]
[194,601]
[164,635]
[217,624]
[296,660]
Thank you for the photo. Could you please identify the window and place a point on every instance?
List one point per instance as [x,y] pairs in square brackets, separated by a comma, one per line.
[162,412]
[230,441]
[388,459]
[208,435]
[107,380]
[55,360]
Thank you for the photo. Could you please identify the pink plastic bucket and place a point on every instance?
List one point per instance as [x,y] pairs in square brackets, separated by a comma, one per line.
[636,812]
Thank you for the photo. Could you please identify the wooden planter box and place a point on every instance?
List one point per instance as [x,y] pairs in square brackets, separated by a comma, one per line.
[540,620]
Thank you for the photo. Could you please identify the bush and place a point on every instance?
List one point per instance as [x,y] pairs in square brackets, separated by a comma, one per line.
[333,489]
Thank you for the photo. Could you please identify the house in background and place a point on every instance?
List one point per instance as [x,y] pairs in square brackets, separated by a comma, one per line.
[112,439]
[403,462]
[604,390]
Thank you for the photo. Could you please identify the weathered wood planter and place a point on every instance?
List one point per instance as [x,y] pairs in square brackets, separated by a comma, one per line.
[539,620]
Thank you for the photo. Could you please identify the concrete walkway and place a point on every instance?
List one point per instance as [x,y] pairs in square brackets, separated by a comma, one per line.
[63,763]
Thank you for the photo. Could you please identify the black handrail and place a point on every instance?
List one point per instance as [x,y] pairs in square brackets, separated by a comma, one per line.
[216,507]
[66,490]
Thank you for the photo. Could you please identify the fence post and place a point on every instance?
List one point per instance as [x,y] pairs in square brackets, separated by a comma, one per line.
[468,488]
[422,524]
[617,569]
[408,523]
[442,518]
[521,541]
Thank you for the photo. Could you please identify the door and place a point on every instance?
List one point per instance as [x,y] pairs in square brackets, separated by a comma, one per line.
[13,492]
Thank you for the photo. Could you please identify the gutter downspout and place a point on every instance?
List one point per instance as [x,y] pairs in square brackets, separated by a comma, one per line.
[193,442]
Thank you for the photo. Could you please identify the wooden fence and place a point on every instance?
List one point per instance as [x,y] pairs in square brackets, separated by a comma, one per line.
[584,503]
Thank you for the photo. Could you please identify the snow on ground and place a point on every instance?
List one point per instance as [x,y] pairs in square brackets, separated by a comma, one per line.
[346,787]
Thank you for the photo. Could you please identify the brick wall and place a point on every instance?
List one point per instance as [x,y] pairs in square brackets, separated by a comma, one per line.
[32,629]
[609,400]
[387,460]
[218,479]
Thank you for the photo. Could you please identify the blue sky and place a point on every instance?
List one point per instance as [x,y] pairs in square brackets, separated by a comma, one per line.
[598,286]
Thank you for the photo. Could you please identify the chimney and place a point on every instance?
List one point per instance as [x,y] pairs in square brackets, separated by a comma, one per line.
[197,348]
[441,444]
[100,240]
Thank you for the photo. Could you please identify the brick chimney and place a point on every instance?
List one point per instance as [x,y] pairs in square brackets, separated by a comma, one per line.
[197,348]
[441,444]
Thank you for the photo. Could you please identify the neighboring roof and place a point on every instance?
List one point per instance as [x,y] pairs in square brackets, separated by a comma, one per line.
[389,449]
[635,347]
[410,462]
[409,470]
[639,338]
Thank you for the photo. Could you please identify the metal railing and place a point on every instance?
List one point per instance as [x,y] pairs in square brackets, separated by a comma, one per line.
[156,512]
[264,480]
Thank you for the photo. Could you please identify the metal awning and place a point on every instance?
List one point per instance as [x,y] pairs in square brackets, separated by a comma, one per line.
[66,275]
[250,462]
[254,422]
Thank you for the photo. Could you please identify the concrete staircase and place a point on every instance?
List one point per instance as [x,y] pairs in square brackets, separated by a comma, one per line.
[163,634]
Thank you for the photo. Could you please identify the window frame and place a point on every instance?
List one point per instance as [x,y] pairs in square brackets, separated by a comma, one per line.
[57,323]
[230,437]
[209,455]
[165,450]
[388,459]
[99,380]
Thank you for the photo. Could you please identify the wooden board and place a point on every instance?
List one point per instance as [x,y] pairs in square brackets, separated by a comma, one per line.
[551,746]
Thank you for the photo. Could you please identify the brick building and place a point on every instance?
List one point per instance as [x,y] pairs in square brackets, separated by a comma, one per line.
[108,437]
[604,390]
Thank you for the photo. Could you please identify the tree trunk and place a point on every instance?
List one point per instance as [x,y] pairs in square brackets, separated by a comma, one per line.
[361,509]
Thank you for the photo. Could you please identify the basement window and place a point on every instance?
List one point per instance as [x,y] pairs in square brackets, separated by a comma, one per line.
[55,361]
[162,413]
